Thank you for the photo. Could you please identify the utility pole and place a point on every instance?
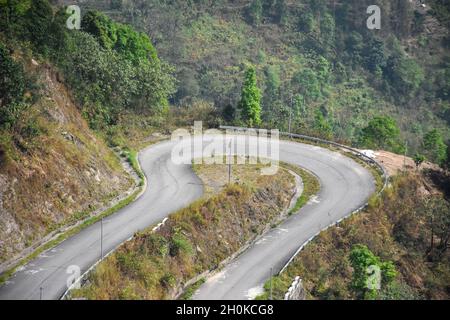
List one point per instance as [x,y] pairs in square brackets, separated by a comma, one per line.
[41,293]
[404,157]
[101,239]
[229,164]
[271,290]
[290,114]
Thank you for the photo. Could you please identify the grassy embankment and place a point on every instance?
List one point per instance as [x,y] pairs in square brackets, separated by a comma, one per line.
[157,265]
[131,157]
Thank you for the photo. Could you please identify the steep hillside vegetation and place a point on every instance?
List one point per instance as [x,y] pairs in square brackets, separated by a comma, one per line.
[406,233]
[316,62]
[54,169]
[61,94]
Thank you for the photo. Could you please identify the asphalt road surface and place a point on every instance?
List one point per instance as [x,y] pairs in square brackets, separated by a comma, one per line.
[345,186]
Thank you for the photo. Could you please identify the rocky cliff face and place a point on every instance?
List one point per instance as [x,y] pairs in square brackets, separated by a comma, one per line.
[56,177]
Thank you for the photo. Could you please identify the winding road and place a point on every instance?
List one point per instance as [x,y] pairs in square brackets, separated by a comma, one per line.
[345,186]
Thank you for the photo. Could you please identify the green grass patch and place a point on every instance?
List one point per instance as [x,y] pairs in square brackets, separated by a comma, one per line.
[132,158]
[311,186]
[189,292]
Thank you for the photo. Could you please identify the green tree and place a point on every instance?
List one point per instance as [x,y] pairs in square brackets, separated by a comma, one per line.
[323,68]
[272,83]
[318,6]
[58,37]
[419,159]
[281,14]
[435,147]
[256,12]
[404,73]
[133,45]
[250,104]
[381,132]
[12,78]
[322,126]
[307,83]
[442,82]
[364,262]
[12,15]
[271,92]
[354,44]
[101,27]
[327,30]
[375,59]
[13,84]
[306,22]
[299,107]
[38,20]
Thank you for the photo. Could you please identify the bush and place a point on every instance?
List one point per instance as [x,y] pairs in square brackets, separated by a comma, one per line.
[133,45]
[362,259]
[435,147]
[12,78]
[381,132]
[168,281]
[180,244]
[13,84]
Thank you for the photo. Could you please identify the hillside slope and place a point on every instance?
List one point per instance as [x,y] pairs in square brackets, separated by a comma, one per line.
[409,226]
[316,61]
[63,96]
[59,173]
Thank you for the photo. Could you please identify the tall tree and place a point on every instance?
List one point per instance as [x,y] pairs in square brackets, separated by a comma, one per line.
[256,12]
[381,132]
[250,104]
[321,126]
[271,92]
[327,30]
[281,12]
[38,22]
[307,83]
[13,84]
[404,73]
[363,262]
[375,59]
[435,147]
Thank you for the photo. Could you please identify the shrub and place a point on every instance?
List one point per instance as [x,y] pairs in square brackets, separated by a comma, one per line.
[180,244]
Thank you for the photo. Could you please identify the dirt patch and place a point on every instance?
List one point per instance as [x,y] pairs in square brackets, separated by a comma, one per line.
[394,163]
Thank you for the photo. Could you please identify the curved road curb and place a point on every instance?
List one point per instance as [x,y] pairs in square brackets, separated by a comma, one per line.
[175,187]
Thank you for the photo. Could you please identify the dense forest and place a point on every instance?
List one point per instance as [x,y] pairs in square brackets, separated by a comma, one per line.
[318,69]
[317,64]
[108,66]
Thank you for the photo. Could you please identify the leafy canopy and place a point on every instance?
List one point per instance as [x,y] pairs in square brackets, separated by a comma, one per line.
[435,147]
[133,45]
[250,103]
[363,262]
[381,132]
[13,84]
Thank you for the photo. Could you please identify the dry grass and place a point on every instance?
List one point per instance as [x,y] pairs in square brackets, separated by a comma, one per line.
[394,228]
[156,265]
[56,177]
